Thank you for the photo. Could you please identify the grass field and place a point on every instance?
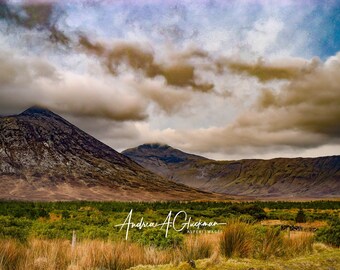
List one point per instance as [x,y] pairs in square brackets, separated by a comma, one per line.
[205,252]
[252,236]
[325,260]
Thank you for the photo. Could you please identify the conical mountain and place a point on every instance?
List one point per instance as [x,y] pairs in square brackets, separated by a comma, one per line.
[44,157]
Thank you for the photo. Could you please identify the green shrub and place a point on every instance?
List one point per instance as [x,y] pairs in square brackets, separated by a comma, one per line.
[156,237]
[247,218]
[65,214]
[253,210]
[331,234]
[94,232]
[16,228]
[55,229]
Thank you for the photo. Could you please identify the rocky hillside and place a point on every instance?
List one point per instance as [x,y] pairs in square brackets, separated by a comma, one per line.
[280,177]
[44,157]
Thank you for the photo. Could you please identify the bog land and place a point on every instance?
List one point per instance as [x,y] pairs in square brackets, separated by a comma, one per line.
[170,235]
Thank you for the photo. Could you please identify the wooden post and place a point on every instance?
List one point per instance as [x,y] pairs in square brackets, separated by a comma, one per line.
[74,240]
[288,232]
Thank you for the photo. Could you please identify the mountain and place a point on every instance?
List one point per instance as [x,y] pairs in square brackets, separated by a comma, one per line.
[161,159]
[44,157]
[274,178]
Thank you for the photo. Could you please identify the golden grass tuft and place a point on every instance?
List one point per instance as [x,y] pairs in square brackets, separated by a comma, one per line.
[47,254]
[107,255]
[11,254]
[299,244]
[244,240]
[197,247]
[271,244]
[237,239]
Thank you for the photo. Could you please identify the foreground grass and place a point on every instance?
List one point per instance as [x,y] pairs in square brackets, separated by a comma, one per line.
[327,259]
[103,255]
[38,254]
[240,246]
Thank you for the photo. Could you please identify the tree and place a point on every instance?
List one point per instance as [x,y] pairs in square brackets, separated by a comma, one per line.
[300,216]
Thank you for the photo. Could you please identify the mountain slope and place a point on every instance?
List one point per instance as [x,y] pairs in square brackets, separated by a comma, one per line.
[280,177]
[44,157]
[161,159]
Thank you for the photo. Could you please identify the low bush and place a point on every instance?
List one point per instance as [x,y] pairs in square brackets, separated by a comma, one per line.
[330,234]
[16,228]
[156,238]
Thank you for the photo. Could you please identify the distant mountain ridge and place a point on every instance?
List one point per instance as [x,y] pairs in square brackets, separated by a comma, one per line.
[280,177]
[44,157]
[160,158]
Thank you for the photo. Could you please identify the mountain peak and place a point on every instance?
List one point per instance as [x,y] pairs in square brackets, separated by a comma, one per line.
[44,157]
[36,110]
[158,146]
[162,152]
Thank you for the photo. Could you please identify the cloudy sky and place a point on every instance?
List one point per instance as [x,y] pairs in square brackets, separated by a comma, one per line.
[224,79]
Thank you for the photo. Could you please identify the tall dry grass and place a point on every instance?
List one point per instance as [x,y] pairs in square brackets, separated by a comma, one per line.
[58,255]
[47,254]
[237,239]
[240,239]
[11,254]
[96,254]
[93,254]
[198,247]
[298,244]
[270,244]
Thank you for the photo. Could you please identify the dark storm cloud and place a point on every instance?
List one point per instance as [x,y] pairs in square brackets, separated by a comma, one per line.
[309,103]
[35,15]
[28,81]
[180,73]
[303,113]
[265,72]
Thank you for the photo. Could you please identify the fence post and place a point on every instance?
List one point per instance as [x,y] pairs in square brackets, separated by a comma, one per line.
[288,232]
[74,240]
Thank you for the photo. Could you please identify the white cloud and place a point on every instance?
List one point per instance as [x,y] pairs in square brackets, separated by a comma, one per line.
[264,35]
